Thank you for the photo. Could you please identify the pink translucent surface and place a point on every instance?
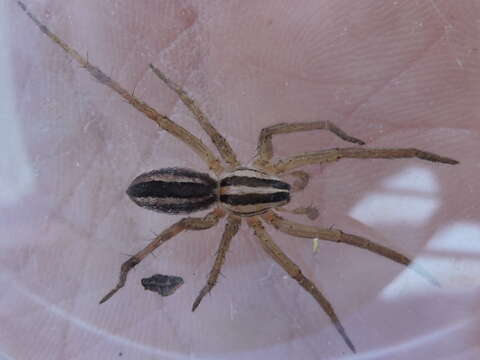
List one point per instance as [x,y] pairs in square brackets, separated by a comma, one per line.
[394,73]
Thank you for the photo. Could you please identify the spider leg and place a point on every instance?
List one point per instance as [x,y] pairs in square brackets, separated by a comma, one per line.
[189,223]
[265,145]
[331,155]
[335,235]
[231,229]
[163,121]
[218,140]
[295,272]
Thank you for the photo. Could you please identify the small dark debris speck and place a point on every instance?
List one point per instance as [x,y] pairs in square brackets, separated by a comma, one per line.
[165,285]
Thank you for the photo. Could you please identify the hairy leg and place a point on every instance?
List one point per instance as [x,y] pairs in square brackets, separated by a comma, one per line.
[331,155]
[218,140]
[210,220]
[335,235]
[163,121]
[295,272]
[265,145]
[231,229]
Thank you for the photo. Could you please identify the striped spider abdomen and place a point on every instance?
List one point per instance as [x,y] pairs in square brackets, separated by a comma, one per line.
[244,192]
[173,190]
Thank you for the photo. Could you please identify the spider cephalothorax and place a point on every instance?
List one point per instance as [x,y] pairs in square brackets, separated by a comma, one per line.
[255,193]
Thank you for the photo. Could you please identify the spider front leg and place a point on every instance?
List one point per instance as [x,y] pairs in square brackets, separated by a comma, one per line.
[265,145]
[231,229]
[218,140]
[335,235]
[295,272]
[331,155]
[188,223]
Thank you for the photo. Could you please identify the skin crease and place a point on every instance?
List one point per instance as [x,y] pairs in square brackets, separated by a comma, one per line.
[395,74]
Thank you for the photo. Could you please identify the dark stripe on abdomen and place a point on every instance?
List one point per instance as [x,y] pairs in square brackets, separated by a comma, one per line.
[162,189]
[254,182]
[252,199]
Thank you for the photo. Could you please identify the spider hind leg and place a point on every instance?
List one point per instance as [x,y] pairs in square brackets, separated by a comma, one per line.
[295,272]
[338,236]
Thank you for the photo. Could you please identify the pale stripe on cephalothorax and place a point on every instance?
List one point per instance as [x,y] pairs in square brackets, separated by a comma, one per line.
[253,173]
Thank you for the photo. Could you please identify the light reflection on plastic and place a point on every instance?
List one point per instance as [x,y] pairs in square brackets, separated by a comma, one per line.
[442,261]
[16,174]
[463,236]
[432,337]
[414,179]
[411,197]
[393,205]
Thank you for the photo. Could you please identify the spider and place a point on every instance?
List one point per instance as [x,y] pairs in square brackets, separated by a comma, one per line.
[236,192]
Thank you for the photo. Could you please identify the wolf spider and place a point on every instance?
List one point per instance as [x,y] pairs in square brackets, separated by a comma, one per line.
[252,193]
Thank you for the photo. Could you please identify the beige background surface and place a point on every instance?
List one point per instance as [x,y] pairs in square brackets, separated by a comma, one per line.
[394,73]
